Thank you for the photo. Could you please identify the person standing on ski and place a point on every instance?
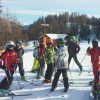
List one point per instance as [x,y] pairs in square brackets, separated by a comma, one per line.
[94,52]
[73,50]
[41,59]
[20,51]
[61,65]
[35,55]
[9,63]
[48,54]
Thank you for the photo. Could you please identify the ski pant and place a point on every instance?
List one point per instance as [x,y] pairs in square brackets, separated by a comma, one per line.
[57,75]
[21,69]
[7,81]
[75,59]
[49,71]
[95,69]
[40,71]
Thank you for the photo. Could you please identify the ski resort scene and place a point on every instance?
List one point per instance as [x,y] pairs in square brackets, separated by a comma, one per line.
[49,50]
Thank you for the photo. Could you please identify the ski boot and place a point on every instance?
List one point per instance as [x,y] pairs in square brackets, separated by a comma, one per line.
[66,88]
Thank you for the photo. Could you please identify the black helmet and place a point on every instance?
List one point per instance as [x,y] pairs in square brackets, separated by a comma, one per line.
[18,43]
[67,38]
[9,45]
[95,42]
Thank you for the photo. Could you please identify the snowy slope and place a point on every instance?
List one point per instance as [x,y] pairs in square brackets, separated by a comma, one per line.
[77,91]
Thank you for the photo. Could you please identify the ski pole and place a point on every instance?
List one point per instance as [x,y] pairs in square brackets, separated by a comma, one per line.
[18,81]
[70,76]
[83,58]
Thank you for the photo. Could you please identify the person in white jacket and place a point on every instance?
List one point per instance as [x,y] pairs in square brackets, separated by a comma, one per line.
[61,65]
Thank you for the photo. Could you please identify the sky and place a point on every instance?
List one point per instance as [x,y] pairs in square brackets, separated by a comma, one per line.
[28,11]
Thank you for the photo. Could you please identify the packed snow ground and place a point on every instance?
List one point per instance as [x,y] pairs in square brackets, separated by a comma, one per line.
[80,90]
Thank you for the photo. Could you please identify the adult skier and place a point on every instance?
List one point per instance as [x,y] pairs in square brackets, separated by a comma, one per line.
[73,50]
[61,65]
[94,52]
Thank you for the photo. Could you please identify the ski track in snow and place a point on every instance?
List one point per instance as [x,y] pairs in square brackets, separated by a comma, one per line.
[80,90]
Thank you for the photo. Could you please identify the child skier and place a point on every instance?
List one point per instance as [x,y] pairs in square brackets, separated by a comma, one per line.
[61,65]
[20,51]
[48,54]
[41,68]
[9,63]
[36,61]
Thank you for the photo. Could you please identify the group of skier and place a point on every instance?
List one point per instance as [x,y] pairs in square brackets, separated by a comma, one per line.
[57,55]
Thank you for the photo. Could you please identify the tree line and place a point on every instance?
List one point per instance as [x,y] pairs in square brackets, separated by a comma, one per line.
[71,24]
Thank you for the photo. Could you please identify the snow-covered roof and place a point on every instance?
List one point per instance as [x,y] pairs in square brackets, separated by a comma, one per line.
[56,36]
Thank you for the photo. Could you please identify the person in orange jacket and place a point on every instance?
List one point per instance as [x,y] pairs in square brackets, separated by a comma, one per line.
[94,52]
[9,63]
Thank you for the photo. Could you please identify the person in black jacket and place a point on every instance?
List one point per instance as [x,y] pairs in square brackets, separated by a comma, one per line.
[20,51]
[73,50]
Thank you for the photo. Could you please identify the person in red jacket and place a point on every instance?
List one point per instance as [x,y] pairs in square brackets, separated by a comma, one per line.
[41,59]
[9,63]
[94,52]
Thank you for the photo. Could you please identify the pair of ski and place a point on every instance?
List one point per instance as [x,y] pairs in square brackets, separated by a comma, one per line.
[20,94]
[7,93]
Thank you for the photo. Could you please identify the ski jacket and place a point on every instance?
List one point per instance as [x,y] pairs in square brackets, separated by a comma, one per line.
[61,57]
[73,47]
[95,55]
[95,59]
[48,54]
[9,59]
[20,52]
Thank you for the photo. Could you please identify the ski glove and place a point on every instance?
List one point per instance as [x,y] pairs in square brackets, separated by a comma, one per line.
[14,66]
[3,67]
[88,49]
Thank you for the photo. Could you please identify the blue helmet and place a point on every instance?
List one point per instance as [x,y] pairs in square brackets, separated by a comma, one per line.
[61,41]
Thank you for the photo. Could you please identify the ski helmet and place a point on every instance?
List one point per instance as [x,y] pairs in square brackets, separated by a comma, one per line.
[18,43]
[95,42]
[9,45]
[67,38]
[61,41]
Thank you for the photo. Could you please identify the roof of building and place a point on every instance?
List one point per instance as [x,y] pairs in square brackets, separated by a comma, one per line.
[55,36]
